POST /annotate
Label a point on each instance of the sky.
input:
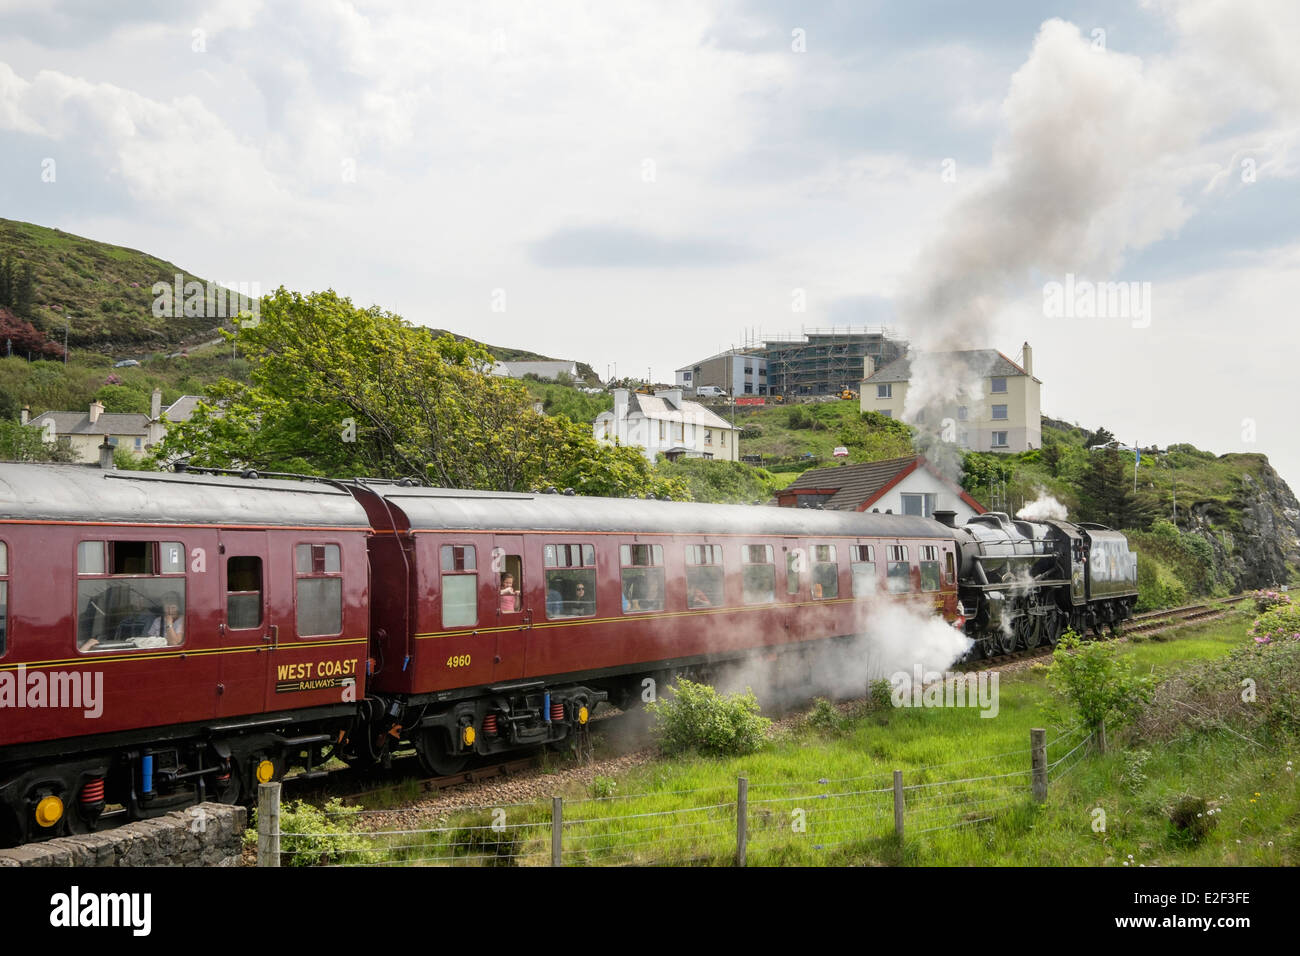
(640, 185)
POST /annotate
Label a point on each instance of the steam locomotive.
(172, 638)
(1023, 583)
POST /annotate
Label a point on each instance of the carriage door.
(796, 569)
(247, 633)
(514, 599)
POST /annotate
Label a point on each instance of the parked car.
(126, 363)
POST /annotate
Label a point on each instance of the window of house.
(686, 376)
(570, 580)
(642, 567)
(459, 585)
(930, 568)
(319, 580)
(885, 391)
(887, 412)
(704, 575)
(999, 385)
(862, 562)
(999, 439)
(961, 413)
(679, 433)
(663, 431)
(898, 571)
(708, 436)
(825, 572)
(758, 573)
(918, 504)
(130, 595)
(963, 438)
(999, 413)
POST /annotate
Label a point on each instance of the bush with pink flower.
(1266, 600)
(1281, 622)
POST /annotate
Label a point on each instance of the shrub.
(602, 788)
(826, 717)
(1098, 683)
(1134, 774)
(1192, 819)
(315, 836)
(880, 694)
(1281, 622)
(698, 718)
(1267, 600)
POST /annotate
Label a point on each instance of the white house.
(665, 423)
(136, 433)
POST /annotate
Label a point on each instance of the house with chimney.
(137, 434)
(903, 486)
(666, 423)
(998, 407)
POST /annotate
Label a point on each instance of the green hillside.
(101, 291)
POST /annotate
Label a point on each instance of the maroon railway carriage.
(500, 620)
(169, 638)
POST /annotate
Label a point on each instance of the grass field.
(820, 793)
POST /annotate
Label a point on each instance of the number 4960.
(458, 660)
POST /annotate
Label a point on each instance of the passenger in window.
(509, 596)
(581, 603)
(700, 599)
(651, 598)
(138, 622)
(170, 625)
(554, 603)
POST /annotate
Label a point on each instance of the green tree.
(1106, 493)
(25, 443)
(1099, 685)
(339, 390)
(874, 437)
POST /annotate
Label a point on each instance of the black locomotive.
(1023, 583)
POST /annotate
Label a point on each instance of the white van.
(710, 391)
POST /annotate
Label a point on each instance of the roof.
(181, 409)
(109, 423)
(729, 353)
(86, 493)
(540, 369)
(444, 508)
(861, 485)
(657, 408)
(983, 362)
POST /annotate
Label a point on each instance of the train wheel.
(1002, 640)
(435, 758)
(1052, 627)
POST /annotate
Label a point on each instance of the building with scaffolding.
(824, 361)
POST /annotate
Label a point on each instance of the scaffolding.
(823, 361)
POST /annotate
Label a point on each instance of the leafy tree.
(1051, 457)
(339, 390)
(981, 471)
(731, 482)
(1106, 493)
(25, 443)
(1101, 436)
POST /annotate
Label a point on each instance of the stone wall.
(211, 834)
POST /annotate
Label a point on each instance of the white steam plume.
(1044, 506)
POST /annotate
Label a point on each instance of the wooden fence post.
(557, 831)
(268, 824)
(898, 803)
(1038, 762)
(742, 819)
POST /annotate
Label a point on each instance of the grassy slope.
(105, 289)
(1258, 796)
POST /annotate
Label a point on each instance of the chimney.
(946, 517)
(673, 396)
(1029, 359)
(620, 414)
(106, 455)
(25, 415)
(155, 404)
(96, 409)
(868, 367)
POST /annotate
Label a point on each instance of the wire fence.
(750, 822)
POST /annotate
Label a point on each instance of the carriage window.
(952, 570)
(243, 593)
(459, 586)
(319, 589)
(795, 561)
(898, 571)
(570, 580)
(510, 581)
(4, 597)
(704, 575)
(825, 572)
(930, 580)
(862, 562)
(758, 573)
(124, 601)
(643, 576)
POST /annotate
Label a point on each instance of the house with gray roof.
(665, 422)
(976, 398)
(136, 433)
